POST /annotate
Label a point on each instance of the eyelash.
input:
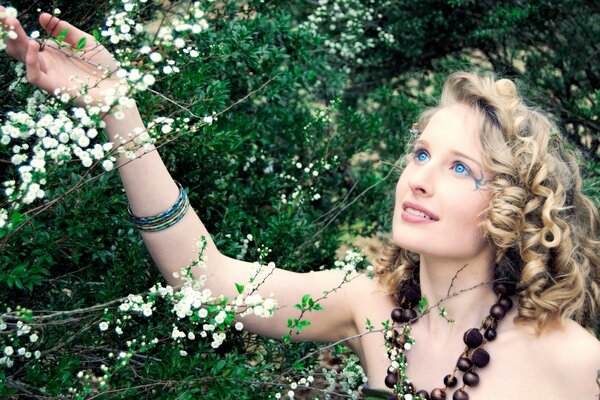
(418, 151)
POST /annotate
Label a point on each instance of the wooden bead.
(489, 322)
(497, 311)
(506, 302)
(464, 364)
(424, 394)
(500, 288)
(408, 314)
(450, 380)
(480, 358)
(408, 388)
(470, 378)
(396, 315)
(460, 395)
(391, 379)
(490, 334)
(473, 338)
(438, 394)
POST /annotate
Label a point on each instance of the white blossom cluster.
(43, 133)
(350, 261)
(192, 303)
(344, 23)
(12, 344)
(349, 377)
(304, 188)
(302, 382)
(58, 138)
(120, 25)
(251, 301)
(10, 12)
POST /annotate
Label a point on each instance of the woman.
(486, 196)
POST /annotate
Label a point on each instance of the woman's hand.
(65, 70)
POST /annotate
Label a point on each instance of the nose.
(421, 179)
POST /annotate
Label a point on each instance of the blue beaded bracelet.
(165, 219)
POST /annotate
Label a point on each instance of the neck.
(462, 287)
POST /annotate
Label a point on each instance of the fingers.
(55, 26)
(16, 48)
(32, 62)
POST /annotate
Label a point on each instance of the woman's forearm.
(151, 190)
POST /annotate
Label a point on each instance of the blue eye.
(461, 169)
(421, 155)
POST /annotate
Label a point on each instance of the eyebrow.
(458, 153)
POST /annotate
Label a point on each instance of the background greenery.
(344, 110)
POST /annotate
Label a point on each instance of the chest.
(515, 371)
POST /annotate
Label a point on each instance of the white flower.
(107, 165)
(149, 79)
(11, 12)
(183, 353)
(86, 162)
(179, 43)
(83, 141)
(37, 354)
(118, 330)
(155, 57)
(9, 350)
(11, 35)
(239, 326)
(103, 326)
(167, 69)
(33, 338)
(291, 394)
(208, 120)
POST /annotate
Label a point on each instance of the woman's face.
(446, 180)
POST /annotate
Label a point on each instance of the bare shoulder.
(570, 356)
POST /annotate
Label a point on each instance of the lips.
(419, 211)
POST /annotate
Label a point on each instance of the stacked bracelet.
(164, 219)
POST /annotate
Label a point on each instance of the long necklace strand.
(474, 356)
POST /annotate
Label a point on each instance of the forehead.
(454, 127)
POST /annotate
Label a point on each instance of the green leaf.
(62, 35)
(318, 307)
(240, 288)
(305, 299)
(302, 325)
(81, 43)
(96, 35)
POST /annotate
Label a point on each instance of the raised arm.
(151, 190)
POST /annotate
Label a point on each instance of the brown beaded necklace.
(474, 356)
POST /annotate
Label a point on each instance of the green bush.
(288, 146)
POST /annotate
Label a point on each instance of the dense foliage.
(286, 122)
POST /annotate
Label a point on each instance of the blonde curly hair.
(544, 228)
